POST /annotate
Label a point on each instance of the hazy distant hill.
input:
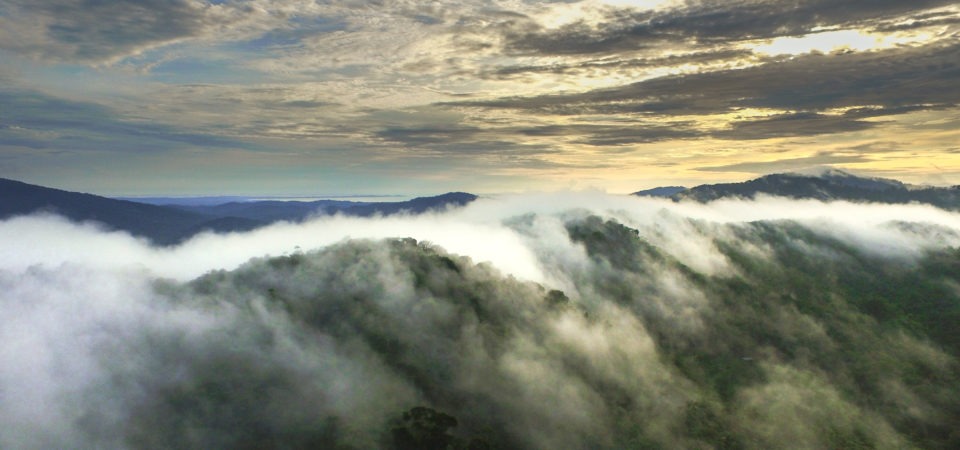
(170, 224)
(270, 210)
(162, 225)
(273, 210)
(415, 206)
(829, 185)
(663, 191)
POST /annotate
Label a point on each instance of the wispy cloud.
(38, 120)
(516, 82)
(788, 164)
(91, 31)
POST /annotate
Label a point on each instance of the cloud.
(498, 141)
(39, 120)
(626, 29)
(893, 81)
(429, 135)
(91, 31)
(795, 124)
(516, 87)
(621, 134)
(788, 164)
(75, 245)
(702, 57)
(609, 321)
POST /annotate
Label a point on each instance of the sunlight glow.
(840, 40)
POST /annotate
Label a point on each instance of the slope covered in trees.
(779, 336)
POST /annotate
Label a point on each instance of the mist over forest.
(572, 320)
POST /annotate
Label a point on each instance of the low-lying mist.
(575, 320)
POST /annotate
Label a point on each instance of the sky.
(298, 97)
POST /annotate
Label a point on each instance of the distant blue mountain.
(162, 225)
(417, 205)
(187, 201)
(664, 191)
(830, 184)
(270, 210)
(171, 224)
(274, 210)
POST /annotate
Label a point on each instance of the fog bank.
(573, 320)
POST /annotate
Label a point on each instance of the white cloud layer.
(483, 232)
(86, 321)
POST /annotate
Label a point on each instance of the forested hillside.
(801, 341)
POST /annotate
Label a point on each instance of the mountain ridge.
(162, 225)
(830, 185)
(172, 224)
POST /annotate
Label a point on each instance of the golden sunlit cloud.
(839, 40)
(473, 95)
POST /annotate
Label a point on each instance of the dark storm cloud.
(617, 35)
(613, 135)
(706, 21)
(936, 18)
(703, 57)
(890, 78)
(37, 120)
(456, 140)
(783, 125)
(429, 134)
(873, 111)
(787, 125)
(306, 104)
(500, 140)
(95, 30)
(878, 83)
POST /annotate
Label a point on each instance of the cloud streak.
(707, 21)
(90, 31)
(501, 245)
